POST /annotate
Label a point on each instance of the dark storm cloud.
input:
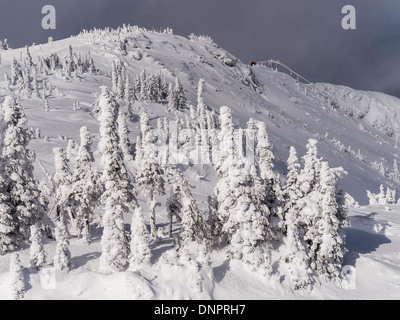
(305, 34)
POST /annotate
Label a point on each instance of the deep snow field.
(373, 242)
(354, 128)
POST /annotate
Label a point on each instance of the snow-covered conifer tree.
(180, 95)
(138, 150)
(150, 173)
(295, 248)
(129, 95)
(71, 151)
(9, 226)
(36, 88)
(247, 221)
(62, 184)
(309, 175)
(123, 133)
(24, 196)
(29, 57)
(296, 251)
(119, 195)
(194, 227)
(200, 91)
(84, 193)
(140, 241)
(172, 99)
(226, 162)
(37, 254)
(395, 174)
(242, 218)
(390, 196)
(326, 235)
(114, 77)
(62, 255)
(291, 192)
(201, 107)
(137, 87)
(174, 206)
(5, 45)
(15, 72)
(163, 86)
(143, 86)
(153, 92)
(382, 195)
(121, 85)
(273, 193)
(17, 282)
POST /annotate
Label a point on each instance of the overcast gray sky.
(305, 34)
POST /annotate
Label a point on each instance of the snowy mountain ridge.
(344, 120)
(356, 130)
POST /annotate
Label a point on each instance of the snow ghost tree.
(84, 192)
(223, 168)
(194, 228)
(150, 173)
(25, 202)
(295, 255)
(180, 95)
(62, 185)
(37, 254)
(119, 194)
(123, 133)
(17, 282)
(309, 175)
(290, 191)
(325, 236)
(140, 241)
(62, 255)
(172, 99)
(174, 204)
(9, 231)
(273, 193)
(242, 218)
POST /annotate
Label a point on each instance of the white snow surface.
(373, 242)
(343, 121)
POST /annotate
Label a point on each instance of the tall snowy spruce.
(291, 191)
(270, 182)
(326, 235)
(140, 254)
(194, 227)
(241, 216)
(150, 174)
(62, 255)
(17, 282)
(37, 255)
(85, 191)
(119, 192)
(22, 199)
(172, 99)
(123, 133)
(62, 185)
(174, 203)
(180, 95)
(223, 169)
(310, 174)
(295, 255)
(9, 230)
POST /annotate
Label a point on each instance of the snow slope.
(354, 129)
(373, 258)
